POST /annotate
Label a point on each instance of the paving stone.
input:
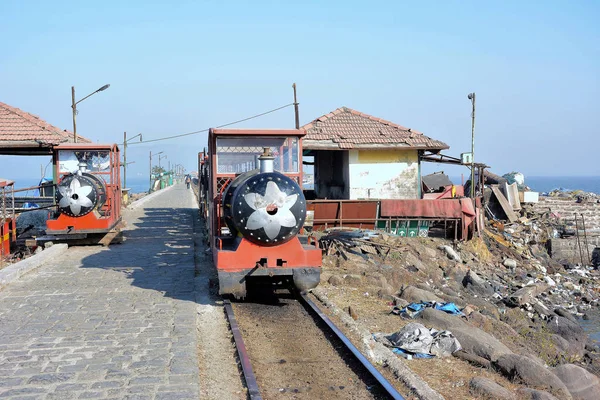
(91, 395)
(107, 385)
(71, 387)
(186, 395)
(47, 379)
(21, 391)
(10, 382)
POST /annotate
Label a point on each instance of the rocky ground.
(520, 331)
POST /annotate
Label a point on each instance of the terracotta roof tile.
(19, 126)
(348, 127)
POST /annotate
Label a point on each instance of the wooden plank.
(506, 207)
(112, 234)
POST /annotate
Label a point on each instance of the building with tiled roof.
(359, 156)
(25, 133)
(346, 128)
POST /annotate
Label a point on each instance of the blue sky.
(181, 67)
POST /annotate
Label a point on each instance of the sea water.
(136, 185)
(546, 184)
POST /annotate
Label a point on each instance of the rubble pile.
(515, 300)
(578, 195)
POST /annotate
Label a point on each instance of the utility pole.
(296, 112)
(74, 105)
(471, 97)
(124, 160)
(125, 156)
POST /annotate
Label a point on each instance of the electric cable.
(219, 126)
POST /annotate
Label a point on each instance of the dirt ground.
(367, 288)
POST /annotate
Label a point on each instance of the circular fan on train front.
(76, 196)
(269, 209)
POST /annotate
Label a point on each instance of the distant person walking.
(188, 180)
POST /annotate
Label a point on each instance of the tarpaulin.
(420, 342)
(413, 310)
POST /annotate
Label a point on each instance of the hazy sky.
(180, 66)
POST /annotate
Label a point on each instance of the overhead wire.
(219, 126)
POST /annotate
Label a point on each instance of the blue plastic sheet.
(413, 310)
(406, 354)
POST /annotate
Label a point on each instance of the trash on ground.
(413, 310)
(416, 341)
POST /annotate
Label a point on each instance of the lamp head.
(104, 87)
(471, 96)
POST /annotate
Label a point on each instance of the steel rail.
(359, 356)
(249, 376)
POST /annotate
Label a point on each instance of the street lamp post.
(160, 158)
(125, 140)
(471, 97)
(151, 168)
(74, 106)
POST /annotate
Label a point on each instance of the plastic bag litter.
(418, 341)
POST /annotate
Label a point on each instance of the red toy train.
(252, 200)
(88, 193)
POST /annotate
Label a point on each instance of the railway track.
(288, 348)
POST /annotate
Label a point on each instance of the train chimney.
(266, 161)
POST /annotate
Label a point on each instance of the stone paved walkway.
(108, 323)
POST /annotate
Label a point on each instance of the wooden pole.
(124, 160)
(296, 112)
(74, 106)
(150, 173)
(472, 97)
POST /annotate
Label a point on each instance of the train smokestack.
(266, 161)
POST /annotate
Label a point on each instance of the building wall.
(384, 174)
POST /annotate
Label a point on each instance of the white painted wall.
(384, 174)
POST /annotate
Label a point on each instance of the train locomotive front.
(88, 193)
(256, 209)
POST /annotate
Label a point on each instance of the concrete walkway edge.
(17, 270)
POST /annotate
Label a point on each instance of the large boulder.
(531, 373)
(565, 314)
(569, 330)
(451, 253)
(526, 294)
(477, 285)
(582, 384)
(415, 295)
(473, 340)
(488, 389)
(534, 394)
